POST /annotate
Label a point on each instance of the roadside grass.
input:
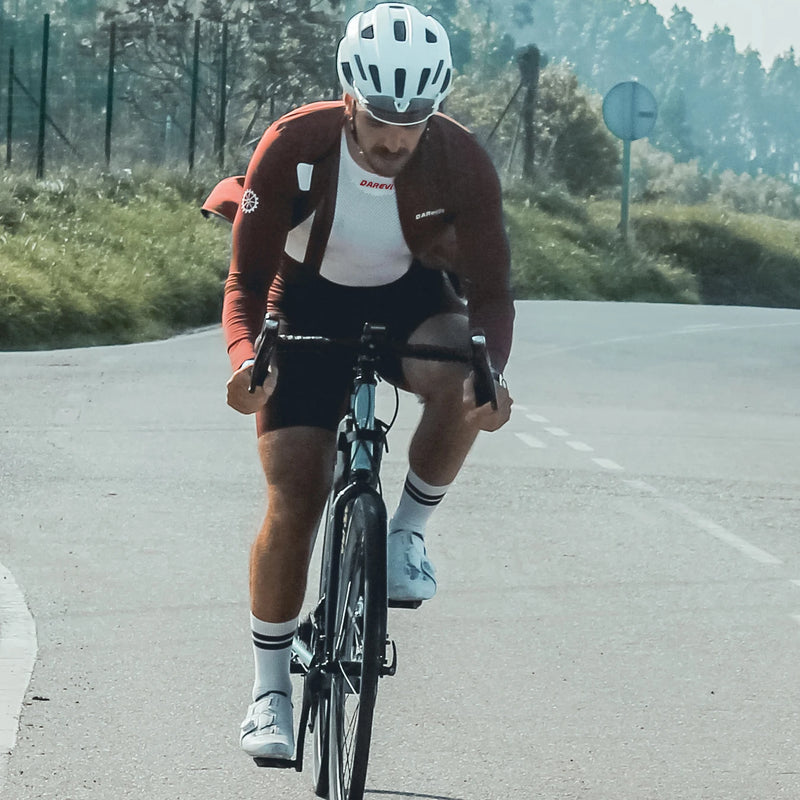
(571, 249)
(106, 259)
(737, 259)
(561, 250)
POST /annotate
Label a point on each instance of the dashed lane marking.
(560, 432)
(607, 463)
(696, 519)
(531, 441)
(581, 447)
(537, 418)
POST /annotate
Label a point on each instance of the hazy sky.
(769, 26)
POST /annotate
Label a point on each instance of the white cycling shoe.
(410, 575)
(268, 728)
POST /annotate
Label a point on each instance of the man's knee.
(439, 380)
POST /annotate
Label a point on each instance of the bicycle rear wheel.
(359, 646)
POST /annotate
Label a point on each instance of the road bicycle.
(342, 647)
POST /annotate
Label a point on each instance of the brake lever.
(265, 346)
(483, 379)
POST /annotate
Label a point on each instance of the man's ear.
(349, 104)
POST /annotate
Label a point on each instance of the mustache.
(385, 152)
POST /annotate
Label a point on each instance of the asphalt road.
(619, 606)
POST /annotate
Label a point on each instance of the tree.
(573, 145)
(272, 54)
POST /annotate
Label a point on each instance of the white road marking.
(723, 534)
(581, 447)
(537, 418)
(531, 441)
(557, 431)
(796, 583)
(607, 463)
(17, 657)
(693, 517)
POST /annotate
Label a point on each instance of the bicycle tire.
(359, 646)
(320, 710)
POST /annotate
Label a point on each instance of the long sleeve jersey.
(448, 192)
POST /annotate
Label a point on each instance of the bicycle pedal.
(390, 668)
(405, 603)
(276, 763)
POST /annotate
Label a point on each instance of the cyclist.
(367, 209)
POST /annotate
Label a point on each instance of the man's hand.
(239, 396)
(485, 417)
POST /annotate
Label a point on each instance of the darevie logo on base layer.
(388, 187)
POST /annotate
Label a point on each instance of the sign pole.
(626, 188)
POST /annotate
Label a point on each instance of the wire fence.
(115, 99)
(180, 94)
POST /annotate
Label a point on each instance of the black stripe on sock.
(272, 642)
(422, 498)
(283, 645)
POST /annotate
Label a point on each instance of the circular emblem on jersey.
(249, 201)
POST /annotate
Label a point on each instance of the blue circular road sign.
(630, 111)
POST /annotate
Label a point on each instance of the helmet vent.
(347, 72)
(376, 77)
(423, 80)
(400, 34)
(438, 72)
(399, 82)
(446, 81)
(430, 36)
(357, 59)
(368, 32)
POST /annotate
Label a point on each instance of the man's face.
(386, 148)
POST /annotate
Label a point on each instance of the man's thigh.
(298, 464)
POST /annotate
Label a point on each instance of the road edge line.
(18, 649)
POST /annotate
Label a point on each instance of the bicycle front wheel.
(359, 646)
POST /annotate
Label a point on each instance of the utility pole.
(529, 62)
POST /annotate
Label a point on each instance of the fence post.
(112, 56)
(43, 98)
(10, 109)
(195, 86)
(223, 97)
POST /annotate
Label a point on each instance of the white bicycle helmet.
(396, 62)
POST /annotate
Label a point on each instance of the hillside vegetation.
(113, 259)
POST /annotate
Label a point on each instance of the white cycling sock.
(418, 502)
(272, 647)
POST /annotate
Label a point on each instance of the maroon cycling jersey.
(449, 204)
